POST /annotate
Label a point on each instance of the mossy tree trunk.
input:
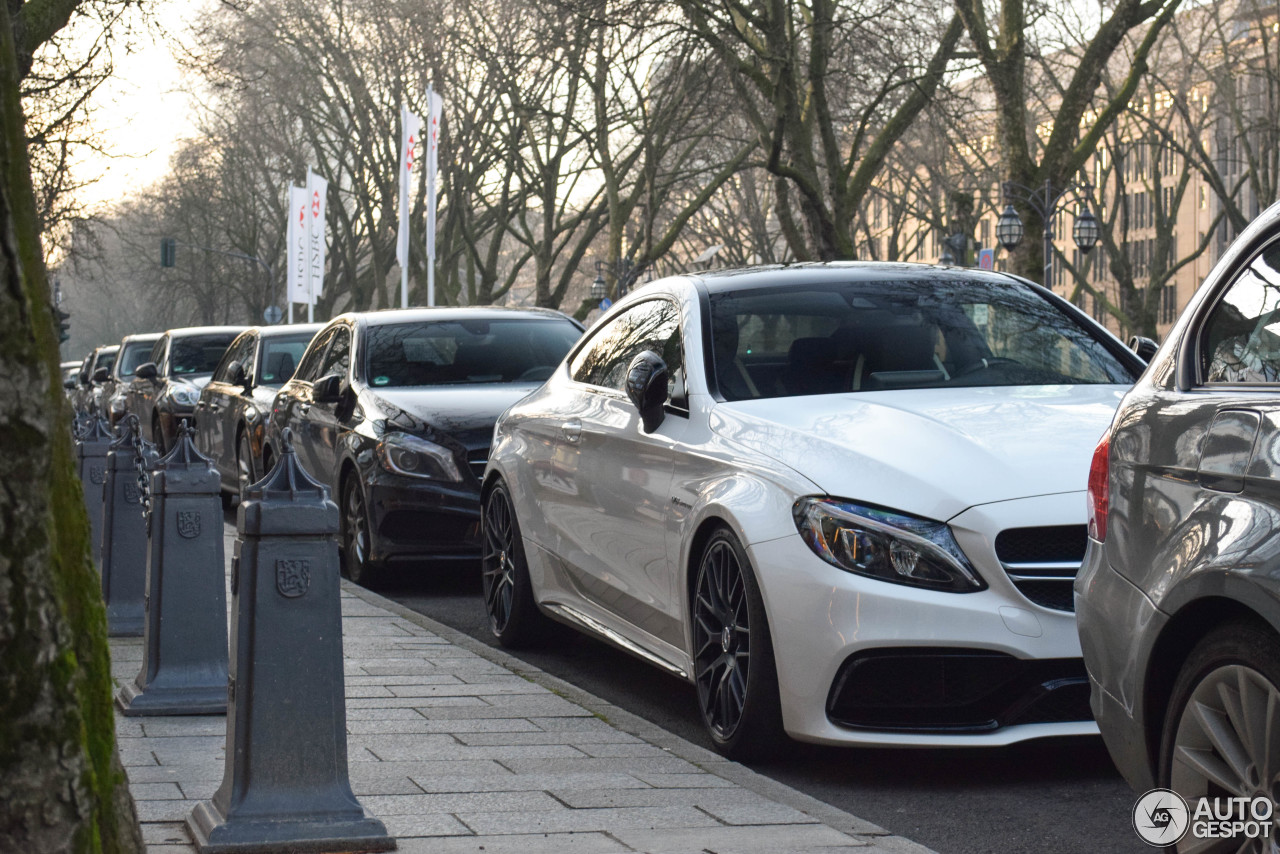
(62, 787)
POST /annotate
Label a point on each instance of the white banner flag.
(410, 132)
(297, 249)
(435, 111)
(317, 187)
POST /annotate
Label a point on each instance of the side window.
(159, 353)
(1240, 341)
(651, 325)
(338, 359)
(239, 351)
(309, 367)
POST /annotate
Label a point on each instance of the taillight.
(1099, 489)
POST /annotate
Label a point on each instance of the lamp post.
(621, 269)
(1044, 201)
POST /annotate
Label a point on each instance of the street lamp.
(1044, 201)
(621, 270)
(599, 290)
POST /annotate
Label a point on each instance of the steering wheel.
(986, 364)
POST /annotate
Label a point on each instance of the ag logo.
(293, 577)
(1161, 817)
(189, 523)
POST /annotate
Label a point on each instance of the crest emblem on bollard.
(132, 494)
(293, 577)
(189, 523)
(97, 474)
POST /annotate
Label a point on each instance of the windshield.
(871, 336)
(279, 358)
(448, 352)
(198, 354)
(134, 354)
(105, 360)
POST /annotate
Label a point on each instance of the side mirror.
(101, 375)
(327, 389)
(83, 377)
(1144, 347)
(147, 371)
(71, 383)
(647, 388)
(237, 376)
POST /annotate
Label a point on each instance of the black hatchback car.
(1178, 600)
(394, 412)
(231, 415)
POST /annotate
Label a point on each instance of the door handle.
(572, 430)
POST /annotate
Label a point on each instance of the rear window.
(874, 336)
(198, 354)
(453, 352)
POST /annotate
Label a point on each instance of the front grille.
(959, 691)
(1042, 562)
(1050, 544)
(477, 459)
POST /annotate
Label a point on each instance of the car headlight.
(885, 545)
(117, 404)
(184, 395)
(402, 453)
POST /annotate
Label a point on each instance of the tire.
(741, 713)
(1224, 710)
(245, 473)
(514, 617)
(357, 536)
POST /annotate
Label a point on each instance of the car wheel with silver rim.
(1222, 734)
(356, 564)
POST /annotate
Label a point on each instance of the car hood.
(466, 413)
(932, 452)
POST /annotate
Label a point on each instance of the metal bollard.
(184, 659)
(285, 785)
(124, 531)
(91, 460)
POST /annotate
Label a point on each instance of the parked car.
(87, 395)
(394, 412)
(231, 415)
(165, 389)
(845, 501)
(70, 374)
(1179, 595)
(134, 350)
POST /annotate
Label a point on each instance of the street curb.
(632, 724)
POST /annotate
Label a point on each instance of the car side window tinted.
(309, 367)
(338, 359)
(651, 325)
(1240, 341)
(241, 350)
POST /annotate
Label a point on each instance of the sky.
(140, 111)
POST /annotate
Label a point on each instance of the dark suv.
(1178, 601)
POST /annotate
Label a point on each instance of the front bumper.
(868, 662)
(422, 520)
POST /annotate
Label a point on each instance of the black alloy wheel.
(734, 668)
(244, 463)
(514, 617)
(357, 536)
(1222, 732)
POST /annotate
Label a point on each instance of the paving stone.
(172, 727)
(611, 820)
(403, 750)
(404, 679)
(538, 843)
(425, 825)
(207, 769)
(678, 780)
(627, 750)
(156, 791)
(161, 833)
(664, 765)
(171, 810)
(806, 839)
(503, 728)
(441, 768)
(590, 737)
(705, 799)
(486, 689)
(380, 714)
(509, 782)
(422, 804)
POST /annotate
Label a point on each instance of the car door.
(325, 417)
(611, 510)
(144, 392)
(292, 408)
(1200, 469)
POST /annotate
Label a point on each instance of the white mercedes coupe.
(846, 501)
